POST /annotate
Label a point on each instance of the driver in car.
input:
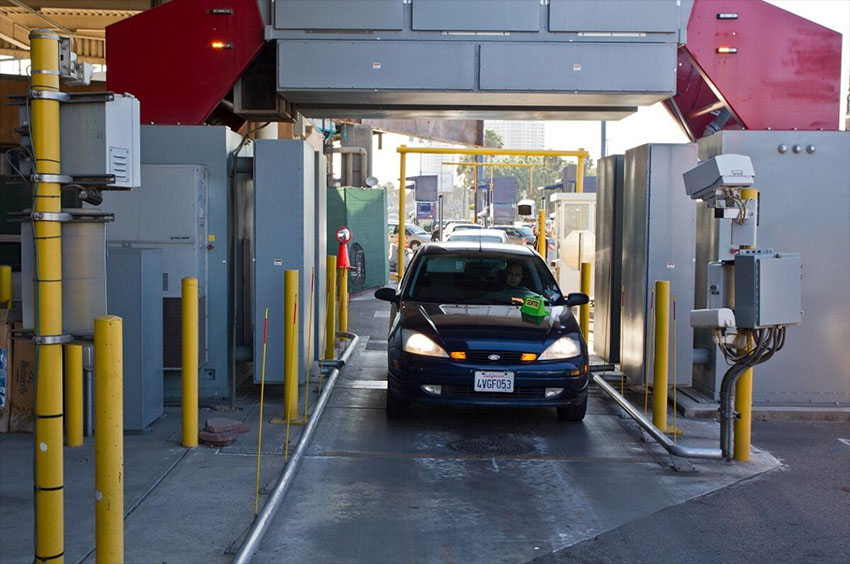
(513, 275)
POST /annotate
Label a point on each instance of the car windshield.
(466, 226)
(415, 229)
(480, 277)
(525, 231)
(476, 237)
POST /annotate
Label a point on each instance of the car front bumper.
(456, 379)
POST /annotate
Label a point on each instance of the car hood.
(487, 327)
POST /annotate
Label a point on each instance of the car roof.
(480, 233)
(502, 248)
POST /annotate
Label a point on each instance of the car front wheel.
(396, 408)
(573, 412)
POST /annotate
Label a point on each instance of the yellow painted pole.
(290, 351)
(330, 309)
(474, 193)
(584, 310)
(742, 426)
(190, 362)
(343, 299)
(401, 214)
(5, 286)
(662, 350)
(74, 395)
(580, 175)
(109, 440)
(49, 419)
(541, 233)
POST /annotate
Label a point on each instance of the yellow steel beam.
(189, 361)
(403, 149)
(401, 215)
(496, 163)
(662, 349)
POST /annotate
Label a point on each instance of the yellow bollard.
(744, 387)
(343, 299)
(584, 310)
(662, 350)
(330, 309)
(190, 362)
(401, 215)
(5, 286)
(49, 420)
(74, 395)
(290, 344)
(541, 234)
(109, 440)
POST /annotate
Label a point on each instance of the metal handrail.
(654, 432)
(263, 521)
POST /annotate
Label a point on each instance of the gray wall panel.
(339, 14)
(283, 219)
(614, 15)
(476, 15)
(598, 67)
(658, 244)
(804, 207)
(209, 147)
(392, 65)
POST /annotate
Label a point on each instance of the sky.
(651, 124)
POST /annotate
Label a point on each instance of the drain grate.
(376, 345)
(491, 447)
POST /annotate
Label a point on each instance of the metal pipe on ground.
(662, 439)
(261, 523)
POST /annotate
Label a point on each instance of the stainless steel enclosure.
(658, 244)
(608, 282)
(803, 179)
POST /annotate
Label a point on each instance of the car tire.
(573, 412)
(396, 408)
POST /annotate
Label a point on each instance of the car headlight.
(417, 343)
(565, 347)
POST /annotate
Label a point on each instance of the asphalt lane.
(797, 513)
(374, 490)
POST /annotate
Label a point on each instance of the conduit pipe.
(264, 519)
(654, 432)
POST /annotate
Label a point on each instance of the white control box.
(100, 138)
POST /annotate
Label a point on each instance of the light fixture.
(433, 389)
(553, 392)
(726, 50)
(528, 357)
(221, 45)
(458, 355)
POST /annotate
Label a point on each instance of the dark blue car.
(486, 325)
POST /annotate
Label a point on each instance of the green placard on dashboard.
(534, 306)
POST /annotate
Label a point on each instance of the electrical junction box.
(768, 288)
(100, 138)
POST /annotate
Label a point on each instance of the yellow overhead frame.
(404, 150)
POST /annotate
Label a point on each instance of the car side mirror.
(575, 299)
(386, 294)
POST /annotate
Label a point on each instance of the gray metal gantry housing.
(524, 59)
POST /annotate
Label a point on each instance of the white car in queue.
(479, 236)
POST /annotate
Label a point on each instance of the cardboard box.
(23, 387)
(5, 370)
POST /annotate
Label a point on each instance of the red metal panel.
(165, 56)
(785, 74)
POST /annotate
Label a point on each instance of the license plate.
(486, 381)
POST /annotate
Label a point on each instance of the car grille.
(468, 391)
(482, 357)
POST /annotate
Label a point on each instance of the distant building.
(519, 134)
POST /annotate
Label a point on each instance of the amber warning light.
(221, 45)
